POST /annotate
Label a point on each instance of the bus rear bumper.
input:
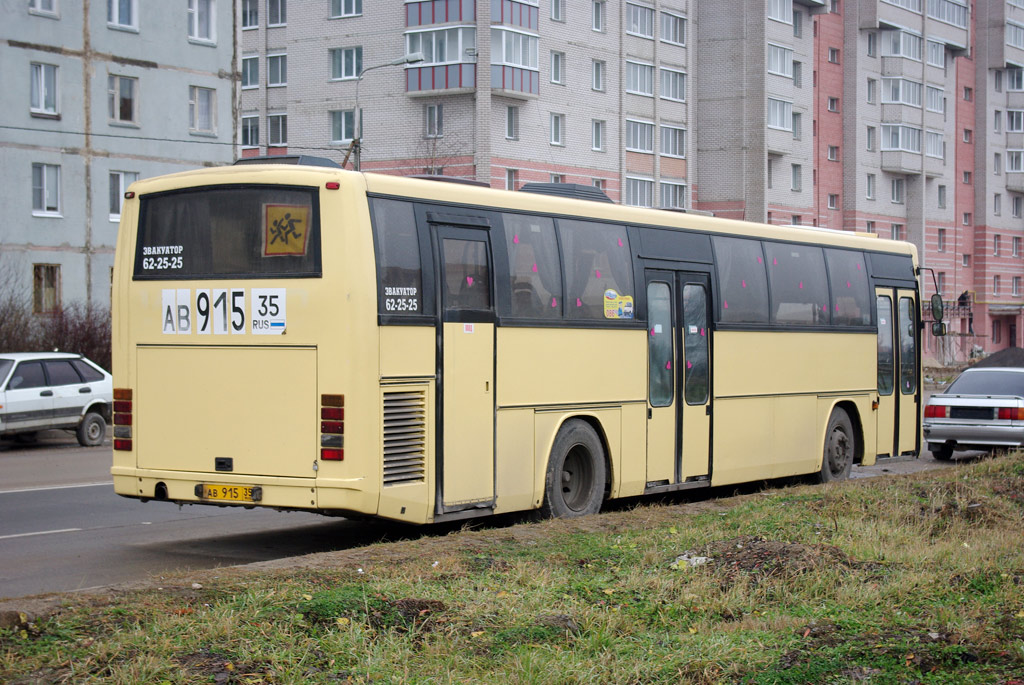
(220, 489)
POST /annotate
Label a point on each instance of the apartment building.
(96, 95)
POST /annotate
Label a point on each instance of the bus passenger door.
(885, 414)
(909, 402)
(695, 368)
(662, 372)
(465, 463)
(898, 401)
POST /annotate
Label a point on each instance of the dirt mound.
(1010, 357)
(756, 555)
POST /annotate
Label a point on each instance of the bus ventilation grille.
(405, 437)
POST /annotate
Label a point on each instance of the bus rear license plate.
(231, 493)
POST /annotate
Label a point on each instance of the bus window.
(239, 231)
(695, 341)
(908, 348)
(659, 344)
(851, 296)
(535, 276)
(466, 275)
(799, 289)
(399, 276)
(598, 270)
(741, 277)
(886, 353)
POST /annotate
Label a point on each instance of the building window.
(599, 183)
(512, 122)
(277, 70)
(43, 89)
(781, 10)
(1015, 160)
(673, 29)
(934, 144)
(46, 189)
(770, 173)
(833, 153)
(871, 187)
(558, 67)
(935, 99)
(833, 104)
(965, 260)
(967, 220)
(967, 178)
(968, 135)
(898, 189)
(796, 177)
(48, 7)
(557, 129)
(343, 125)
(833, 55)
(896, 232)
(901, 91)
(45, 288)
(511, 179)
(673, 195)
(597, 15)
(673, 85)
(250, 131)
(872, 44)
(639, 20)
(833, 201)
(797, 75)
(780, 114)
(937, 54)
(597, 135)
(1016, 246)
(673, 141)
(639, 136)
(798, 24)
(898, 137)
(942, 240)
(872, 91)
(795, 219)
(1015, 121)
(1015, 80)
(250, 14)
(250, 72)
(797, 126)
(997, 164)
(968, 93)
(639, 78)
(639, 192)
(346, 63)
(597, 80)
(556, 178)
(871, 138)
(902, 44)
(277, 12)
(346, 8)
(780, 60)
(942, 196)
(119, 182)
(122, 105)
(444, 46)
(997, 209)
(433, 116)
(995, 287)
(940, 282)
(557, 10)
(123, 14)
(278, 125)
(202, 109)
(201, 20)
(869, 226)
(1016, 286)
(1017, 206)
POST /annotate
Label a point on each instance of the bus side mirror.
(938, 328)
(937, 307)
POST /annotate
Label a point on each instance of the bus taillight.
(332, 427)
(123, 419)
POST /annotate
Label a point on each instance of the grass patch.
(907, 579)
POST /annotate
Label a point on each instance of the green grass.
(909, 579)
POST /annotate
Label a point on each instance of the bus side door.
(465, 464)
(898, 402)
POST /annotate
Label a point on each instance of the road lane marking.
(42, 532)
(57, 487)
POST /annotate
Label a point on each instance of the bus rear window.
(229, 231)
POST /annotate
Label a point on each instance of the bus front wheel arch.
(840, 448)
(574, 483)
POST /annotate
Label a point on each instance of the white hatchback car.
(44, 390)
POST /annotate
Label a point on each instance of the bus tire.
(92, 430)
(574, 484)
(840, 448)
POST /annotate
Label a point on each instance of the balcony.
(1015, 181)
(901, 162)
(449, 78)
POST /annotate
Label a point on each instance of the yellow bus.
(303, 337)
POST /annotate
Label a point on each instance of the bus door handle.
(650, 413)
(707, 410)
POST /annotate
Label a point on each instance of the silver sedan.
(983, 409)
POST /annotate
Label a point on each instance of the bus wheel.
(574, 485)
(840, 446)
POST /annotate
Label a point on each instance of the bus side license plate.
(232, 493)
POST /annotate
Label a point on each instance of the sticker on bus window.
(617, 306)
(285, 230)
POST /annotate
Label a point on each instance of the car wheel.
(840, 448)
(574, 485)
(944, 452)
(92, 430)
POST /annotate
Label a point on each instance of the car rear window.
(988, 383)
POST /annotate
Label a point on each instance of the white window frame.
(940, 199)
(122, 179)
(833, 104)
(796, 177)
(339, 58)
(935, 99)
(433, 116)
(511, 177)
(40, 93)
(779, 60)
(780, 10)
(639, 192)
(246, 127)
(46, 8)
(598, 133)
(898, 191)
(779, 108)
(114, 98)
(281, 59)
(558, 10)
(833, 201)
(557, 123)
(1015, 121)
(870, 190)
(935, 53)
(948, 12)
(343, 120)
(941, 239)
(935, 144)
(672, 195)
(558, 67)
(1017, 206)
(672, 81)
(512, 122)
(902, 91)
(250, 14)
(1015, 80)
(196, 95)
(281, 18)
(912, 5)
(250, 64)
(673, 142)
(902, 43)
(1014, 161)
(49, 177)
(346, 8)
(635, 77)
(116, 21)
(640, 20)
(508, 46)
(833, 153)
(673, 28)
(904, 135)
(598, 16)
(196, 9)
(598, 72)
(997, 210)
(278, 138)
(640, 136)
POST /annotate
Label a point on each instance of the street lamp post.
(357, 123)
